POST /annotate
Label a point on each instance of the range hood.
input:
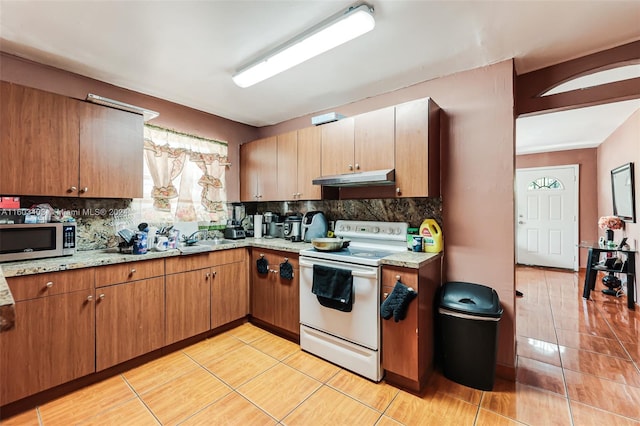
(370, 178)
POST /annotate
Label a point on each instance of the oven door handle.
(372, 274)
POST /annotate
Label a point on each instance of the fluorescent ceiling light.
(330, 33)
(146, 113)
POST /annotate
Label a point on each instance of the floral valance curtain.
(187, 174)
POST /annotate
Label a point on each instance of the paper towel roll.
(257, 226)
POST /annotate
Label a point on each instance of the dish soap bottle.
(431, 236)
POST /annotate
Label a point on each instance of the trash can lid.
(469, 298)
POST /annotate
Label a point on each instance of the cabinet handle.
(101, 296)
(215, 273)
(84, 190)
(350, 167)
(397, 277)
(385, 295)
(207, 275)
(133, 271)
(398, 190)
(261, 255)
(49, 284)
(89, 298)
(72, 189)
(357, 166)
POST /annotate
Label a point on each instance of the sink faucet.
(191, 239)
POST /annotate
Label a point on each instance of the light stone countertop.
(87, 259)
(7, 313)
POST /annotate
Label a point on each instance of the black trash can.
(469, 315)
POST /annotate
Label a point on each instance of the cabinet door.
(400, 339)
(249, 171)
(258, 170)
(375, 140)
(262, 292)
(268, 169)
(287, 302)
(417, 149)
(337, 147)
(39, 142)
(287, 166)
(229, 293)
(262, 297)
(52, 343)
(188, 306)
(129, 321)
(111, 158)
(309, 166)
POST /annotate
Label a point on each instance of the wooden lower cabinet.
(53, 341)
(129, 320)
(229, 293)
(275, 300)
(408, 345)
(188, 304)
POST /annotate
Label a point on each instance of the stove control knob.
(375, 230)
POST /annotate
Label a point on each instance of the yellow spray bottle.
(431, 236)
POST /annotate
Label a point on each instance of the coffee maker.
(234, 229)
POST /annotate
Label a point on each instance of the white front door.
(547, 216)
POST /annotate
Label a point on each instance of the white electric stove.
(350, 339)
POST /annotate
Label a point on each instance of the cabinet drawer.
(274, 257)
(51, 283)
(192, 262)
(131, 271)
(222, 257)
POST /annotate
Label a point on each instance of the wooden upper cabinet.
(287, 171)
(39, 142)
(337, 147)
(417, 149)
(309, 166)
(298, 164)
(54, 145)
(258, 174)
(111, 152)
(374, 140)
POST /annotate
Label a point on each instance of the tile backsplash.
(97, 219)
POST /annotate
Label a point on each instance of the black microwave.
(26, 241)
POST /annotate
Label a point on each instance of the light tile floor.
(578, 364)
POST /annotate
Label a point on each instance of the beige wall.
(477, 178)
(588, 197)
(172, 115)
(623, 146)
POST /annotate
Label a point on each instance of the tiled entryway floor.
(577, 365)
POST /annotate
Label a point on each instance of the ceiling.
(186, 51)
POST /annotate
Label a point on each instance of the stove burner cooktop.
(370, 242)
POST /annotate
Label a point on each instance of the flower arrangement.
(610, 222)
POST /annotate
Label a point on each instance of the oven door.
(362, 324)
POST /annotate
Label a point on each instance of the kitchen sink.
(215, 242)
(203, 245)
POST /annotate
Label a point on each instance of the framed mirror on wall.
(623, 192)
